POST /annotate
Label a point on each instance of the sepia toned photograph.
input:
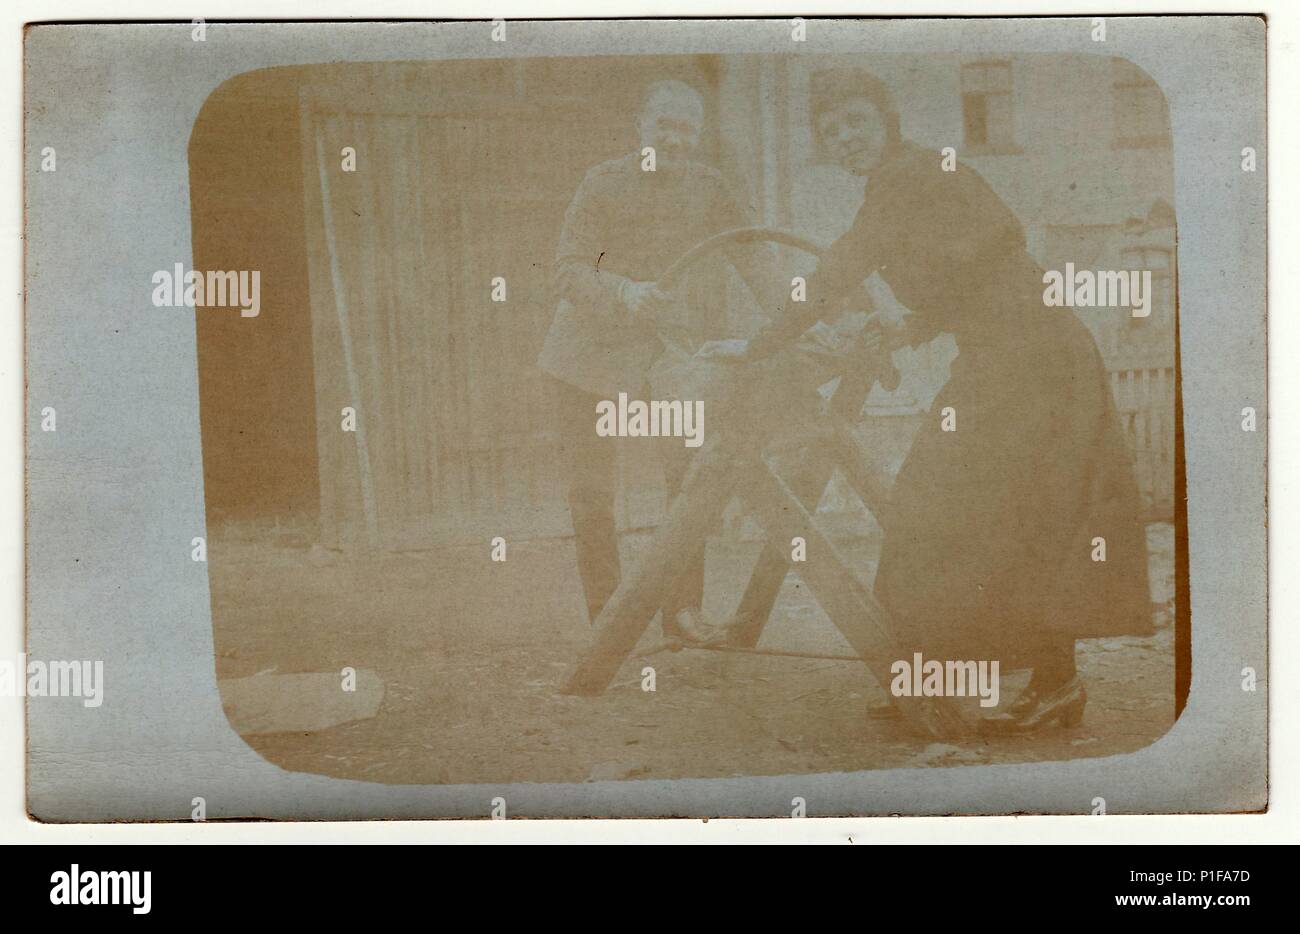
(661, 416)
(608, 418)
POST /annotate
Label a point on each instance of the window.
(1158, 260)
(986, 106)
(1140, 113)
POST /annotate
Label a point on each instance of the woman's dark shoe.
(1033, 710)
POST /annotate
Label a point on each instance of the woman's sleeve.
(848, 261)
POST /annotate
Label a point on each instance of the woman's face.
(854, 135)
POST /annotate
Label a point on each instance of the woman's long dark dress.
(989, 533)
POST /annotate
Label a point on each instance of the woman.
(990, 549)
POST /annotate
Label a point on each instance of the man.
(629, 220)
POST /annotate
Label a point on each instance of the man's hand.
(728, 351)
(644, 299)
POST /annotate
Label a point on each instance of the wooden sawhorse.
(732, 462)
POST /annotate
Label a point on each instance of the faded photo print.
(691, 416)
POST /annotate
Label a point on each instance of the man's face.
(671, 123)
(854, 135)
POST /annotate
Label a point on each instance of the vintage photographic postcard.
(771, 417)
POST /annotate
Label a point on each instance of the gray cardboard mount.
(120, 484)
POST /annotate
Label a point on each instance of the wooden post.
(345, 332)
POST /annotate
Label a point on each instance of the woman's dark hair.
(834, 87)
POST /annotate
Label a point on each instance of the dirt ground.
(472, 653)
